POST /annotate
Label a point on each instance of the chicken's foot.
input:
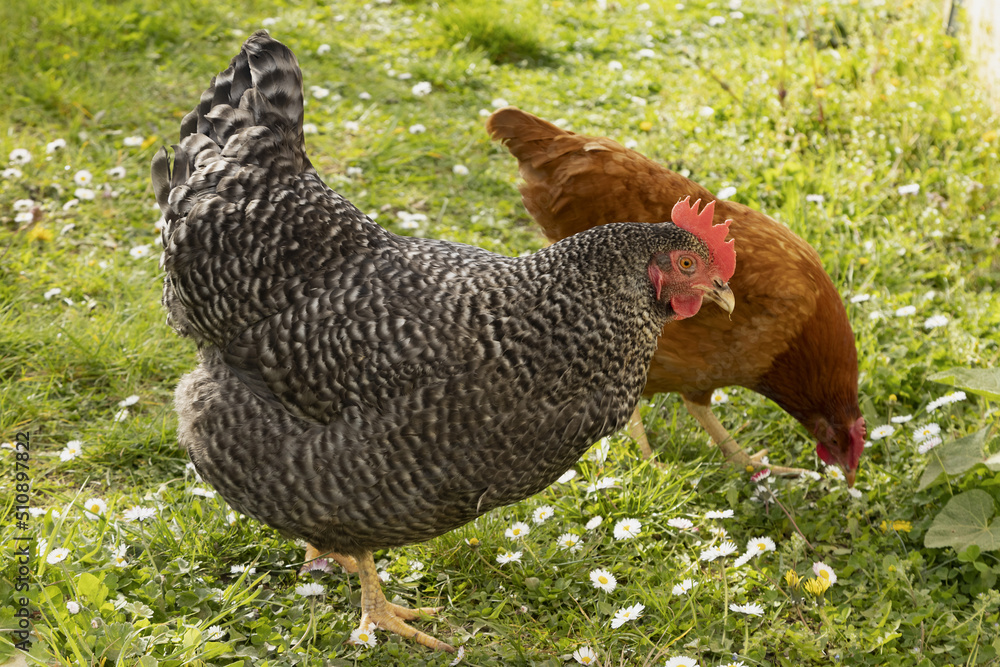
(731, 450)
(390, 617)
(347, 562)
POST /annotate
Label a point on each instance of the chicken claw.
(390, 617)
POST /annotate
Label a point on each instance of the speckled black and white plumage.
(364, 390)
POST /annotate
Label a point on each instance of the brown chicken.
(789, 339)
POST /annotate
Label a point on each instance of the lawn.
(857, 123)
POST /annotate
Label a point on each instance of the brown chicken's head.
(841, 446)
(689, 275)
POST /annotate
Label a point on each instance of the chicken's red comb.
(686, 216)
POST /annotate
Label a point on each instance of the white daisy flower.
(815, 199)
(626, 529)
(128, 400)
(603, 483)
(24, 204)
(36, 512)
(509, 557)
(719, 397)
(681, 661)
(906, 311)
(759, 545)
(95, 508)
(683, 587)
(460, 170)
(909, 189)
(363, 636)
(921, 433)
(322, 49)
(83, 177)
(760, 475)
(709, 554)
(727, 192)
(133, 141)
(955, 397)
(319, 92)
(355, 171)
(215, 633)
(118, 556)
(716, 21)
(883, 431)
(72, 450)
(421, 89)
(585, 656)
(615, 66)
(139, 513)
(594, 522)
(824, 571)
(116, 172)
(719, 532)
(751, 608)
(309, 590)
(55, 291)
(73, 607)
(352, 126)
(643, 54)
(53, 146)
(936, 322)
(231, 518)
(20, 156)
(834, 472)
(121, 415)
(499, 102)
(854, 493)
(727, 548)
(364, 96)
(717, 514)
(11, 174)
(417, 128)
(518, 530)
(743, 560)
(860, 298)
(566, 476)
(680, 523)
(929, 444)
(604, 580)
(141, 251)
(901, 419)
(72, 203)
(56, 555)
(84, 193)
(204, 493)
(626, 614)
(542, 514)
(240, 569)
(570, 542)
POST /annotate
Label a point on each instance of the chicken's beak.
(722, 295)
(849, 474)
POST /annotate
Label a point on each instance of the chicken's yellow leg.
(346, 562)
(376, 609)
(638, 433)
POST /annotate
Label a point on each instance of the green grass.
(847, 100)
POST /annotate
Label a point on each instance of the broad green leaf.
(982, 381)
(954, 458)
(91, 588)
(965, 521)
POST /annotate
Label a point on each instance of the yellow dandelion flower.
(817, 586)
(989, 136)
(792, 579)
(646, 125)
(819, 92)
(39, 234)
(822, 11)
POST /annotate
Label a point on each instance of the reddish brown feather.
(789, 337)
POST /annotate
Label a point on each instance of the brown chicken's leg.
(731, 449)
(376, 609)
(347, 562)
(638, 433)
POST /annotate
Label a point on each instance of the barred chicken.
(789, 340)
(363, 390)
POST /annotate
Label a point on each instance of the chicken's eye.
(685, 263)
